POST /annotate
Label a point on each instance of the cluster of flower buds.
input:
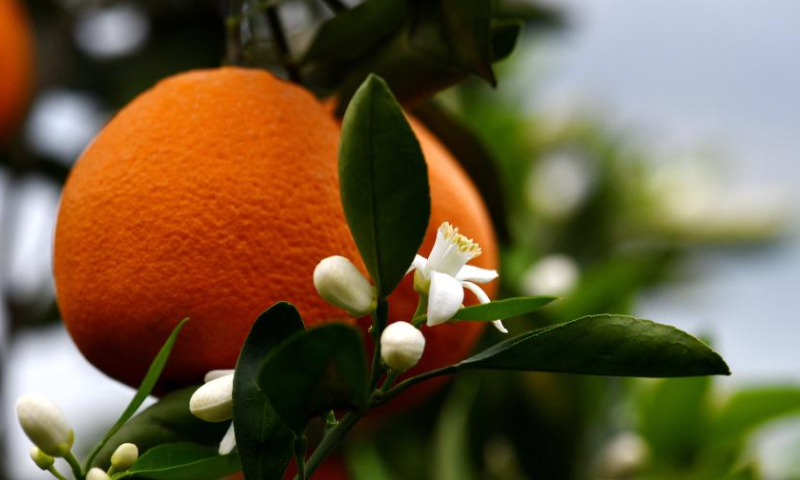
(441, 279)
(213, 402)
(45, 424)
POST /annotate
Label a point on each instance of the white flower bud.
(41, 459)
(555, 274)
(97, 474)
(340, 283)
(213, 402)
(124, 457)
(44, 423)
(402, 345)
(623, 456)
(215, 374)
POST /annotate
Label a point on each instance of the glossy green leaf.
(184, 461)
(313, 372)
(615, 345)
(748, 409)
(145, 388)
(263, 441)
(502, 309)
(384, 184)
(167, 421)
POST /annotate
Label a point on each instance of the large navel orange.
(212, 196)
(16, 64)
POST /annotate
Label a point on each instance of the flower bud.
(340, 283)
(124, 457)
(215, 374)
(402, 345)
(97, 474)
(44, 423)
(41, 459)
(213, 402)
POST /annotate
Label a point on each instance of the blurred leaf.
(451, 457)
(502, 309)
(167, 421)
(364, 462)
(748, 409)
(674, 418)
(473, 156)
(147, 385)
(313, 372)
(183, 461)
(613, 345)
(384, 184)
(415, 75)
(534, 13)
(263, 441)
(347, 37)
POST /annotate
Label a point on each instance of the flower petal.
(228, 442)
(444, 299)
(476, 274)
(418, 264)
(483, 298)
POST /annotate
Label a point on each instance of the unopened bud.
(124, 457)
(215, 374)
(213, 402)
(44, 423)
(97, 474)
(402, 345)
(41, 459)
(340, 283)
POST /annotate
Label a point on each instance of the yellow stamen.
(464, 244)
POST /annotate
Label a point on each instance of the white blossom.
(124, 457)
(213, 402)
(45, 424)
(444, 275)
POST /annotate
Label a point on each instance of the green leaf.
(384, 184)
(502, 309)
(674, 417)
(615, 345)
(167, 421)
(468, 23)
(147, 385)
(451, 438)
(184, 461)
(263, 441)
(504, 38)
(313, 372)
(346, 37)
(748, 409)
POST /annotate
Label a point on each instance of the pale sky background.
(684, 75)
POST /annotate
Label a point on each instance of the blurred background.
(647, 163)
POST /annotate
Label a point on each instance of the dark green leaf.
(452, 459)
(504, 38)
(384, 184)
(349, 36)
(184, 461)
(751, 408)
(502, 309)
(263, 440)
(147, 385)
(167, 421)
(615, 345)
(313, 372)
(468, 24)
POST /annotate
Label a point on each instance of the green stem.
(422, 309)
(74, 465)
(330, 442)
(299, 449)
(379, 317)
(390, 378)
(410, 382)
(56, 473)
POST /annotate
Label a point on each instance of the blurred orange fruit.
(16, 64)
(212, 196)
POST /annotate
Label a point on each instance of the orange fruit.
(212, 196)
(16, 64)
